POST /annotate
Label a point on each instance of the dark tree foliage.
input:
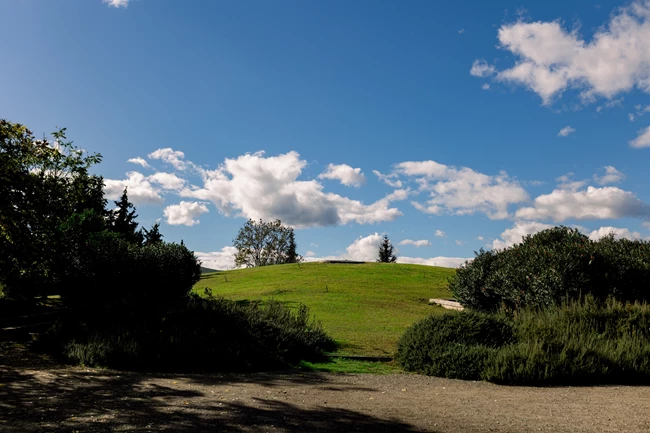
(122, 220)
(386, 254)
(153, 235)
(553, 266)
(42, 185)
(265, 243)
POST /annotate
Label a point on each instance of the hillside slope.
(365, 307)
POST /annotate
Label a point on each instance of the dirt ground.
(37, 395)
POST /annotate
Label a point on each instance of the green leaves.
(265, 243)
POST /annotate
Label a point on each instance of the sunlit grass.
(364, 307)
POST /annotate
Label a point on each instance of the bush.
(195, 335)
(105, 269)
(552, 266)
(454, 345)
(586, 342)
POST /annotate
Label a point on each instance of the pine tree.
(386, 252)
(153, 235)
(122, 220)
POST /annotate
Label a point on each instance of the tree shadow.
(41, 398)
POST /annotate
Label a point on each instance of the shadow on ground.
(39, 396)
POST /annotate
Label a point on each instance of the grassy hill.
(365, 307)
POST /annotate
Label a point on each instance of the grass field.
(364, 307)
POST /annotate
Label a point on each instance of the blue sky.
(449, 127)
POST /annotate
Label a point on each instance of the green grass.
(364, 307)
(338, 365)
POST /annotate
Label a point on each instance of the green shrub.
(195, 335)
(587, 342)
(552, 266)
(454, 345)
(105, 269)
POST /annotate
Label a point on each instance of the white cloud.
(481, 68)
(485, 86)
(347, 175)
(646, 224)
(364, 249)
(388, 179)
(460, 242)
(420, 243)
(444, 262)
(461, 31)
(566, 131)
(139, 161)
(140, 190)
(631, 117)
(168, 180)
(514, 234)
(551, 59)
(117, 3)
(462, 191)
(593, 203)
(220, 260)
(170, 156)
(643, 140)
(619, 233)
(440, 234)
(480, 238)
(310, 254)
(612, 175)
(184, 213)
(255, 186)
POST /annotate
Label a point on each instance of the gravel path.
(39, 396)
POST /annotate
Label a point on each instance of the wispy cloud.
(117, 3)
(564, 132)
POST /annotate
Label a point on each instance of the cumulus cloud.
(443, 262)
(481, 68)
(310, 254)
(117, 3)
(256, 186)
(167, 180)
(418, 244)
(619, 233)
(365, 249)
(389, 179)
(612, 175)
(564, 132)
(184, 213)
(551, 59)
(140, 190)
(462, 191)
(347, 175)
(440, 234)
(139, 161)
(170, 156)
(220, 260)
(516, 233)
(643, 140)
(485, 86)
(591, 203)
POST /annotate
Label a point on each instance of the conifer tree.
(386, 252)
(123, 220)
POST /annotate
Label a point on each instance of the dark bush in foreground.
(454, 345)
(585, 342)
(197, 335)
(552, 266)
(105, 269)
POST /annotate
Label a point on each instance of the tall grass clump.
(198, 334)
(577, 342)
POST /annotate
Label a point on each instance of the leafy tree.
(386, 252)
(265, 243)
(123, 220)
(153, 235)
(42, 184)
